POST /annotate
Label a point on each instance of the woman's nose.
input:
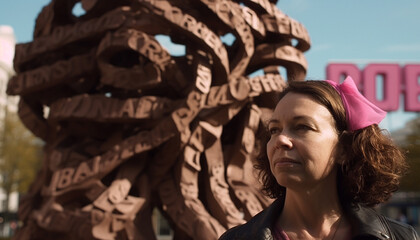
(283, 141)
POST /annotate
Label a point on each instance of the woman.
(326, 163)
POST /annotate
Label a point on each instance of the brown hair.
(372, 165)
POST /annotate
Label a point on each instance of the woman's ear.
(342, 148)
(340, 154)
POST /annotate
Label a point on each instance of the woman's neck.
(314, 212)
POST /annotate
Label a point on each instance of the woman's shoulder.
(247, 231)
(366, 221)
(401, 230)
(258, 227)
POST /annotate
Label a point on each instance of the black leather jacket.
(366, 224)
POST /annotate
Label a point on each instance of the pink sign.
(395, 80)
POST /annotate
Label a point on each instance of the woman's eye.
(273, 130)
(303, 127)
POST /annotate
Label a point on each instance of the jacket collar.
(365, 222)
(261, 224)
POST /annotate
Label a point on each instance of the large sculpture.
(129, 128)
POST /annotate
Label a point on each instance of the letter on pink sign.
(392, 80)
(339, 71)
(412, 87)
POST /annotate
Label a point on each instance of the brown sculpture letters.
(130, 128)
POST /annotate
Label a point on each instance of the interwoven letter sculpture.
(129, 127)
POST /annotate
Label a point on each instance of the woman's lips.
(286, 162)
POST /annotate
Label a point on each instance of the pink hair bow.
(360, 111)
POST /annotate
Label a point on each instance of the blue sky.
(360, 32)
(357, 31)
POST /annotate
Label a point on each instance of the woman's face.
(303, 140)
